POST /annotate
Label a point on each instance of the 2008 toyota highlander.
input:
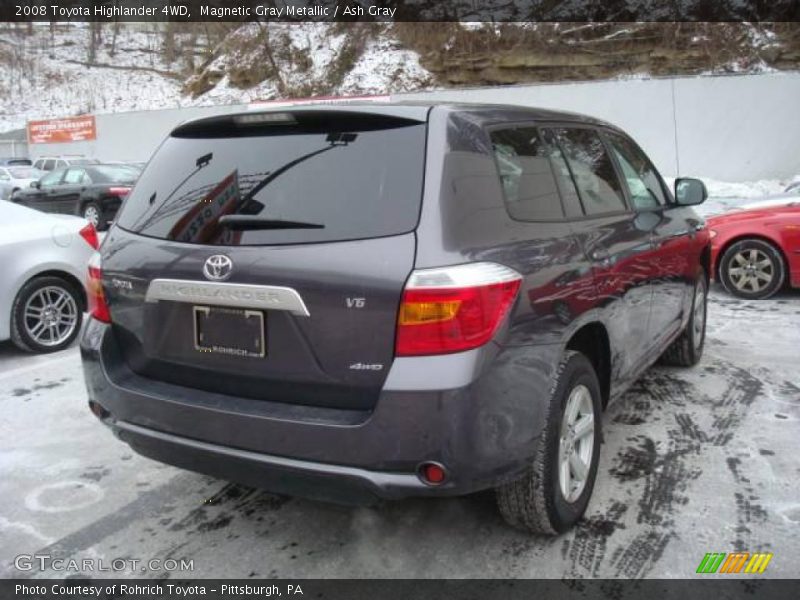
(346, 302)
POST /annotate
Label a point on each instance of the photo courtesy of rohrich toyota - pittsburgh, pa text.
(399, 299)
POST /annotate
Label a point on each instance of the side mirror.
(690, 192)
(36, 184)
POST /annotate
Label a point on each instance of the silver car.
(43, 260)
(13, 178)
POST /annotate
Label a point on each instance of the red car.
(756, 250)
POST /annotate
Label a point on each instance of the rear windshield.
(286, 184)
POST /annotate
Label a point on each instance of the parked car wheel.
(94, 214)
(752, 269)
(687, 349)
(46, 315)
(554, 492)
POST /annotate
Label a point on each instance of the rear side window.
(49, 165)
(524, 162)
(323, 179)
(640, 175)
(599, 189)
(111, 174)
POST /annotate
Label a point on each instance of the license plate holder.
(231, 331)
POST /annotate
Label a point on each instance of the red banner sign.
(53, 131)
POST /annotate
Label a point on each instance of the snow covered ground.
(693, 460)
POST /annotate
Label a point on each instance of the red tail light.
(453, 309)
(98, 308)
(89, 233)
(119, 191)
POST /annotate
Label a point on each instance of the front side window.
(51, 179)
(74, 176)
(641, 177)
(599, 189)
(49, 165)
(524, 162)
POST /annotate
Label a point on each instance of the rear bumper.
(484, 432)
(335, 483)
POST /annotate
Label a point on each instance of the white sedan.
(43, 262)
(16, 177)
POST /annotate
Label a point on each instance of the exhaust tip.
(98, 411)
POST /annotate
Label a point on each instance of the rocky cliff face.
(519, 53)
(304, 59)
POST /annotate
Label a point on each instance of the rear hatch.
(264, 255)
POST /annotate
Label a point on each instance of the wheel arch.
(66, 276)
(592, 341)
(705, 262)
(749, 236)
(83, 201)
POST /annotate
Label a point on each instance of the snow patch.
(385, 67)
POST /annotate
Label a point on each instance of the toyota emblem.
(218, 267)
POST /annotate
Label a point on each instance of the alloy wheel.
(90, 214)
(751, 270)
(50, 316)
(576, 443)
(699, 318)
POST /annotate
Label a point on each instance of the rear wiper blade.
(253, 222)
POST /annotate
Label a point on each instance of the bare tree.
(271, 57)
(95, 40)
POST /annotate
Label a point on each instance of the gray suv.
(351, 302)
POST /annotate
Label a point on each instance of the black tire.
(20, 335)
(101, 223)
(760, 248)
(687, 349)
(535, 502)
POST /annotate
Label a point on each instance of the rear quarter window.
(354, 182)
(524, 163)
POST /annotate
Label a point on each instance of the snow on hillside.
(44, 75)
(48, 81)
(309, 56)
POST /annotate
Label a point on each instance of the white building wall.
(730, 128)
(130, 136)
